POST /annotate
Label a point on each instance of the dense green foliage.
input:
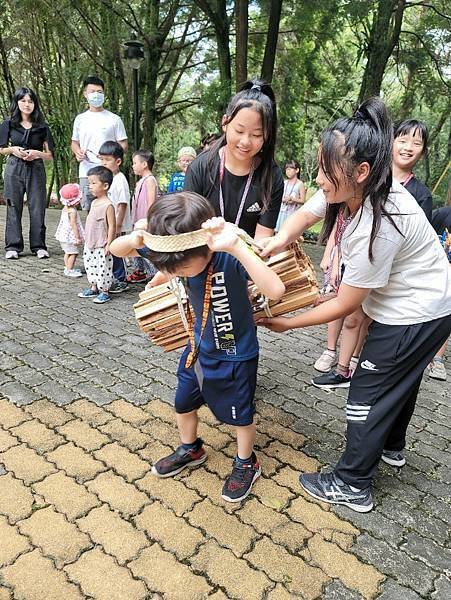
(329, 54)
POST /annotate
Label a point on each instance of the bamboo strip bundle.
(158, 314)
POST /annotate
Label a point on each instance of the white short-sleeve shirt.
(316, 205)
(409, 278)
(119, 193)
(91, 130)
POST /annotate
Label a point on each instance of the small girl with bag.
(70, 233)
(145, 194)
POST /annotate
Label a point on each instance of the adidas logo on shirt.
(254, 208)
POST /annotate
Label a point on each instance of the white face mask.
(96, 99)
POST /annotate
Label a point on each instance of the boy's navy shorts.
(228, 389)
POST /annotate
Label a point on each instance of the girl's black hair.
(146, 156)
(259, 96)
(180, 212)
(16, 117)
(294, 165)
(413, 125)
(367, 136)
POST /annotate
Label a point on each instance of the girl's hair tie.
(257, 87)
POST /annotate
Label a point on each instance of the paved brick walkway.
(85, 409)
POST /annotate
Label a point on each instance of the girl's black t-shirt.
(30, 139)
(203, 177)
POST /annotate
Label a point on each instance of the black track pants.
(383, 393)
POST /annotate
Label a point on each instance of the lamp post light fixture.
(134, 55)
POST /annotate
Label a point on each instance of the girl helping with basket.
(396, 269)
(237, 174)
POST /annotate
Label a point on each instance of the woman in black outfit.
(26, 140)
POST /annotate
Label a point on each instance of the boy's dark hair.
(94, 80)
(413, 125)
(104, 174)
(147, 156)
(111, 148)
(36, 115)
(180, 212)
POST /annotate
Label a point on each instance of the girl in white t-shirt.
(397, 271)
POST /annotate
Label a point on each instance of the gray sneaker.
(329, 488)
(395, 458)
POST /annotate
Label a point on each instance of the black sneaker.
(329, 488)
(240, 481)
(118, 287)
(395, 458)
(331, 380)
(178, 460)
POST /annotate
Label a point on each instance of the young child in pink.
(145, 194)
(70, 233)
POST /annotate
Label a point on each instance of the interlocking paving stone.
(339, 564)
(34, 577)
(57, 538)
(117, 536)
(123, 461)
(172, 493)
(408, 572)
(83, 435)
(236, 576)
(66, 495)
(99, 576)
(292, 571)
(117, 493)
(7, 440)
(16, 500)
(154, 565)
(76, 462)
(160, 524)
(12, 543)
(125, 434)
(26, 464)
(11, 415)
(37, 436)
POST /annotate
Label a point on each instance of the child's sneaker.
(437, 369)
(395, 458)
(118, 287)
(177, 461)
(137, 277)
(332, 380)
(326, 361)
(239, 483)
(88, 293)
(102, 298)
(73, 273)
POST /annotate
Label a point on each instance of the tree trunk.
(383, 38)
(269, 57)
(216, 11)
(242, 28)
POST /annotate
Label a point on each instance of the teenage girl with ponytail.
(237, 174)
(396, 269)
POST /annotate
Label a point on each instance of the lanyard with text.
(194, 352)
(407, 179)
(246, 189)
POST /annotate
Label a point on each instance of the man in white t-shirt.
(91, 129)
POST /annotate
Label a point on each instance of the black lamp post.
(134, 55)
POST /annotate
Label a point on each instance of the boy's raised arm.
(223, 238)
(126, 245)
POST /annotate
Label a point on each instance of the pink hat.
(70, 194)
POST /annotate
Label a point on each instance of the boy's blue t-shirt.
(230, 331)
(177, 182)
